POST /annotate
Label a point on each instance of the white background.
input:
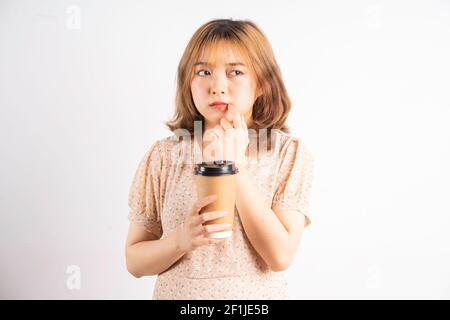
(85, 87)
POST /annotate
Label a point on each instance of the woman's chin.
(212, 122)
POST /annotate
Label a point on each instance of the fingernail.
(223, 213)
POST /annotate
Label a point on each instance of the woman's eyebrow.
(201, 63)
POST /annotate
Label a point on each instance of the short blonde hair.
(270, 109)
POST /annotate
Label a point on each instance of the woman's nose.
(216, 91)
(218, 86)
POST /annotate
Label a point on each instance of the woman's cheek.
(196, 93)
(194, 88)
(247, 94)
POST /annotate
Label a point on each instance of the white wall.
(86, 85)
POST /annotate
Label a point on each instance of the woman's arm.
(274, 235)
(147, 255)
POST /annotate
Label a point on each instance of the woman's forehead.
(221, 53)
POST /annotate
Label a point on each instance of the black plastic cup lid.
(215, 168)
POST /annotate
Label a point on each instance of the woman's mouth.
(219, 106)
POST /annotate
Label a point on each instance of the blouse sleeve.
(295, 179)
(144, 193)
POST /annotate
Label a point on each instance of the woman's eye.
(237, 72)
(203, 73)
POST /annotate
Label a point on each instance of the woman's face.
(222, 76)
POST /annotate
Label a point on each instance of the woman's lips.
(219, 106)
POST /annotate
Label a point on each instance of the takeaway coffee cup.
(219, 178)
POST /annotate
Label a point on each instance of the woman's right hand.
(193, 233)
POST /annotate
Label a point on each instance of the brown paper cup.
(219, 178)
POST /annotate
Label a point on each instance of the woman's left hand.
(232, 136)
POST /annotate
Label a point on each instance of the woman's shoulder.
(289, 144)
(167, 142)
(167, 148)
(285, 140)
(282, 135)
